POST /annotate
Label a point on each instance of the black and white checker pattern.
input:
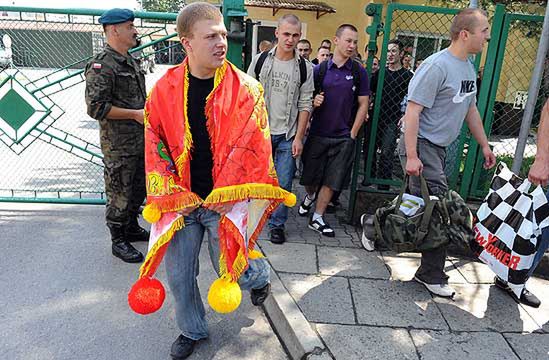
(516, 217)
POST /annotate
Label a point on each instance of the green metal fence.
(48, 145)
(504, 74)
(514, 53)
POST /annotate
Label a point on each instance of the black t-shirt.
(201, 152)
(395, 88)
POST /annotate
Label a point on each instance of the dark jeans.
(386, 142)
(543, 246)
(433, 157)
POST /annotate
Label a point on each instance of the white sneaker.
(306, 205)
(367, 244)
(442, 290)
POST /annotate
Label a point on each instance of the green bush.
(486, 175)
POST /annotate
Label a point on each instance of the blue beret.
(116, 16)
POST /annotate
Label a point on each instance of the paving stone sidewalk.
(365, 305)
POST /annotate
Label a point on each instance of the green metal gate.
(48, 145)
(424, 31)
(507, 73)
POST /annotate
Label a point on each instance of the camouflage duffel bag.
(437, 223)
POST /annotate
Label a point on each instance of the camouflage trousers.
(433, 158)
(124, 187)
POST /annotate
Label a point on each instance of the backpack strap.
(302, 70)
(355, 70)
(320, 78)
(259, 64)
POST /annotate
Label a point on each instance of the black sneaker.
(526, 297)
(332, 206)
(278, 236)
(258, 296)
(320, 226)
(306, 205)
(182, 347)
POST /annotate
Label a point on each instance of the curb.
(293, 329)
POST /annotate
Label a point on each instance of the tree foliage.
(172, 6)
(529, 29)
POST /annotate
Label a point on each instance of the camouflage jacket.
(113, 79)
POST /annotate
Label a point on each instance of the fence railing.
(49, 146)
(504, 72)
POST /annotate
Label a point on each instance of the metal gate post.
(487, 94)
(532, 94)
(375, 11)
(233, 16)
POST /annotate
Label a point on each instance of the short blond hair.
(466, 19)
(192, 13)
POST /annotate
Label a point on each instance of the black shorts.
(328, 161)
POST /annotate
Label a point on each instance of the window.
(422, 45)
(265, 30)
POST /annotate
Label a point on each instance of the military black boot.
(121, 248)
(134, 232)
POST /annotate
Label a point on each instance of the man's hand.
(297, 147)
(353, 135)
(489, 158)
(414, 166)
(186, 211)
(221, 209)
(318, 100)
(139, 116)
(539, 172)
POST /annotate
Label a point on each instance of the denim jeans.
(285, 170)
(182, 268)
(543, 246)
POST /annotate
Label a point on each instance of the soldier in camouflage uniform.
(115, 96)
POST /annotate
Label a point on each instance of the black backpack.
(302, 67)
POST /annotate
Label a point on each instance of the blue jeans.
(285, 170)
(543, 246)
(182, 268)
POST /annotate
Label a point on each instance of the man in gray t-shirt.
(441, 96)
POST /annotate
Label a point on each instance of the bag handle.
(429, 206)
(424, 191)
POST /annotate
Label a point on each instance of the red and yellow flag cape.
(243, 169)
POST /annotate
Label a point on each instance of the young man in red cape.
(209, 168)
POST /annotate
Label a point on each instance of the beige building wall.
(315, 30)
(516, 69)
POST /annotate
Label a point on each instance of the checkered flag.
(509, 226)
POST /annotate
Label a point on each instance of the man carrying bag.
(440, 96)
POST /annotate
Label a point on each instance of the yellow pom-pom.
(255, 254)
(224, 296)
(151, 213)
(290, 200)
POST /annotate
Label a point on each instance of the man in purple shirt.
(339, 111)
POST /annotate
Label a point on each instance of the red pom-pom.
(146, 296)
